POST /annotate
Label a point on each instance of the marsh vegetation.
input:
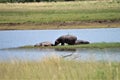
(56, 68)
(59, 15)
(92, 45)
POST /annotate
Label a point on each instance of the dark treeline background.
(18, 1)
(13, 1)
(23, 1)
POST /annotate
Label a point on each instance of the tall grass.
(59, 12)
(55, 68)
(59, 15)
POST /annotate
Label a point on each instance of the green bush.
(4, 1)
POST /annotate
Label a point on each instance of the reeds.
(56, 68)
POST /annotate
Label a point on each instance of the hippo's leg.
(62, 44)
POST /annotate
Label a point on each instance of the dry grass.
(60, 15)
(89, 5)
(55, 68)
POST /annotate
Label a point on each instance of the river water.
(17, 38)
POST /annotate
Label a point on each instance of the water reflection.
(108, 54)
(16, 38)
(67, 50)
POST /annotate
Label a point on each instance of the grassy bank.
(92, 45)
(57, 15)
(55, 68)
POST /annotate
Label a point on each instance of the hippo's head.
(56, 43)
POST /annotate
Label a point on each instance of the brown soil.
(61, 25)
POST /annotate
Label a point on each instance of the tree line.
(22, 1)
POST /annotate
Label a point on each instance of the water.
(16, 38)
(108, 54)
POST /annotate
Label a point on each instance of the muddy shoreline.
(61, 25)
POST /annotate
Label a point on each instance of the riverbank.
(92, 45)
(59, 15)
(56, 68)
(60, 25)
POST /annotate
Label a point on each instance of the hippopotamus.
(81, 42)
(69, 39)
(46, 43)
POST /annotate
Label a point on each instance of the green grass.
(59, 12)
(58, 16)
(92, 45)
(55, 68)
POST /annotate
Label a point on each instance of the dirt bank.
(61, 25)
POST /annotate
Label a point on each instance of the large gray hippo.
(77, 42)
(69, 39)
(46, 43)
